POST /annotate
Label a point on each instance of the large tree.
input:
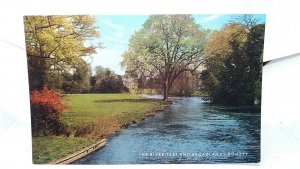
(56, 46)
(233, 63)
(254, 50)
(164, 48)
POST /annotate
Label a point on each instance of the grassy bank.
(89, 117)
(48, 148)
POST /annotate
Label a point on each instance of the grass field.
(92, 116)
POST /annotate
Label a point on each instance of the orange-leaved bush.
(49, 98)
(46, 106)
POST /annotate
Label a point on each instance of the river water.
(190, 131)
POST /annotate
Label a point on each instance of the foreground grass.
(48, 148)
(88, 108)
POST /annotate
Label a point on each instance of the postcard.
(145, 89)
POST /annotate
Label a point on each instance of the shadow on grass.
(128, 100)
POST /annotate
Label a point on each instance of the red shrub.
(49, 98)
(46, 107)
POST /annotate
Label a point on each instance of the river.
(190, 131)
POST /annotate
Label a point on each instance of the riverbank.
(81, 153)
(48, 148)
(92, 117)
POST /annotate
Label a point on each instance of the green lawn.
(48, 148)
(86, 108)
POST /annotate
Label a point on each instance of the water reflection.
(196, 132)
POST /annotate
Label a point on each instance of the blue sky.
(116, 30)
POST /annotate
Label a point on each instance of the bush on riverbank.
(46, 107)
(105, 126)
(102, 127)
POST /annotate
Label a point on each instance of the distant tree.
(55, 45)
(185, 85)
(106, 81)
(77, 81)
(165, 47)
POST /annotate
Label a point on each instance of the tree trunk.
(37, 73)
(166, 91)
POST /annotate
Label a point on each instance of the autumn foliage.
(50, 99)
(46, 106)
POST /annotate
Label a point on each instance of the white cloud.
(109, 58)
(115, 43)
(119, 41)
(116, 33)
(210, 18)
(112, 25)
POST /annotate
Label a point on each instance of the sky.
(116, 30)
